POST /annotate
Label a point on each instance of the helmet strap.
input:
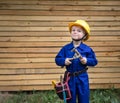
(80, 38)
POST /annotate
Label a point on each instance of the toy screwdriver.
(64, 94)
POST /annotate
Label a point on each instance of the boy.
(78, 83)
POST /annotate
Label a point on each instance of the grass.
(97, 96)
(105, 96)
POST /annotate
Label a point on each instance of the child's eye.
(79, 30)
(73, 29)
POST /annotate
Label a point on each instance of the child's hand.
(83, 60)
(67, 61)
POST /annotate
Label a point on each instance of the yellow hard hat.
(83, 24)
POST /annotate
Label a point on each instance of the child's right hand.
(67, 61)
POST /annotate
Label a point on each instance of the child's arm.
(91, 59)
(60, 58)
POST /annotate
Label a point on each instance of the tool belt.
(59, 88)
(78, 73)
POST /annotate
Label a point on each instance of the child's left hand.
(83, 60)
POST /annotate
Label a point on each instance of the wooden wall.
(33, 31)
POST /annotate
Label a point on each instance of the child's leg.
(83, 91)
(83, 98)
(72, 86)
(73, 99)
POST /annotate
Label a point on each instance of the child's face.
(77, 32)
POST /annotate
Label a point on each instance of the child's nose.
(75, 31)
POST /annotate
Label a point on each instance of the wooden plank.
(25, 82)
(60, 7)
(55, 76)
(52, 50)
(52, 55)
(32, 23)
(26, 88)
(48, 82)
(33, 44)
(103, 64)
(27, 55)
(33, 34)
(30, 77)
(108, 64)
(44, 39)
(103, 75)
(57, 70)
(29, 65)
(17, 71)
(59, 24)
(61, 2)
(109, 53)
(60, 13)
(54, 29)
(50, 87)
(109, 81)
(103, 70)
(104, 38)
(54, 44)
(105, 86)
(49, 60)
(52, 34)
(29, 50)
(60, 39)
(29, 60)
(61, 18)
(108, 59)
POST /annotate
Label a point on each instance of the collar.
(71, 46)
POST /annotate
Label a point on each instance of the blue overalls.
(79, 85)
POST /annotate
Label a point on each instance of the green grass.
(96, 96)
(105, 96)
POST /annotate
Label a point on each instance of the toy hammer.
(77, 54)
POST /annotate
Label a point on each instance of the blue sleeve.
(91, 58)
(60, 58)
